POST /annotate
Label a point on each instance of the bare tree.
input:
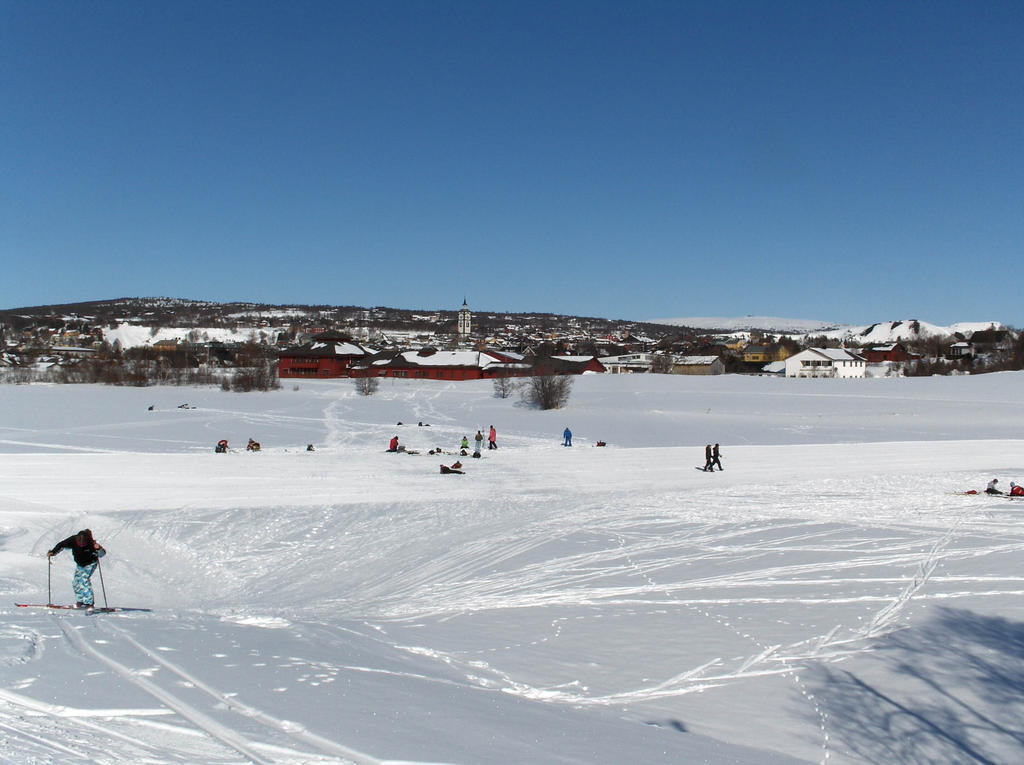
(260, 375)
(661, 363)
(505, 385)
(366, 386)
(547, 391)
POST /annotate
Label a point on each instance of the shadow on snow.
(951, 690)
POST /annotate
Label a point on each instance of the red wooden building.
(427, 364)
(431, 364)
(880, 353)
(566, 365)
(327, 355)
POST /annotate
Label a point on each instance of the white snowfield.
(831, 597)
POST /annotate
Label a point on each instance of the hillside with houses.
(139, 341)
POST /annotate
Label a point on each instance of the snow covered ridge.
(902, 331)
(136, 335)
(881, 332)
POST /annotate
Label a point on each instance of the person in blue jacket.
(567, 436)
(87, 553)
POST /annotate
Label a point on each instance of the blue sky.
(844, 161)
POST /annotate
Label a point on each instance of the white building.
(627, 363)
(465, 322)
(826, 362)
(961, 350)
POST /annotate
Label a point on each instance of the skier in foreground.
(87, 553)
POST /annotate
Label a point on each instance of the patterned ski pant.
(82, 583)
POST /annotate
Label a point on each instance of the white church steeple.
(465, 322)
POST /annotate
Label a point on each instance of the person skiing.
(567, 438)
(991, 488)
(716, 458)
(479, 439)
(1016, 490)
(708, 461)
(492, 439)
(87, 553)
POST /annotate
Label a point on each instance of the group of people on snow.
(478, 439)
(1016, 490)
(252, 446)
(712, 457)
(463, 448)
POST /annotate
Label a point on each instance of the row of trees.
(252, 369)
(541, 391)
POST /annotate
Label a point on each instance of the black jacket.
(84, 556)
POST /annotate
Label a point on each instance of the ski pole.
(49, 576)
(103, 587)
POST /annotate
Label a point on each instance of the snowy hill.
(880, 333)
(829, 597)
(903, 331)
(135, 335)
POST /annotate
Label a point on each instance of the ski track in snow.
(219, 699)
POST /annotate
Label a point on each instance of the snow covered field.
(829, 597)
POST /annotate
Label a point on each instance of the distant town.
(141, 341)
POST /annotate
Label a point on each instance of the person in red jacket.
(393, 446)
(492, 439)
(87, 553)
(1016, 490)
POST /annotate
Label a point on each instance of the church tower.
(465, 322)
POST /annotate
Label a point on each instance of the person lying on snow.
(991, 488)
(1016, 490)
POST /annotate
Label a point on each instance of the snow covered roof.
(432, 358)
(696, 361)
(512, 355)
(837, 354)
(331, 345)
(337, 348)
